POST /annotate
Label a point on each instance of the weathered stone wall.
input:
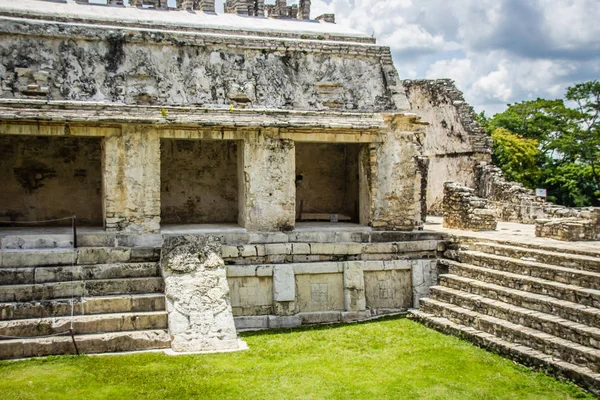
(570, 229)
(464, 210)
(45, 178)
(394, 176)
(515, 203)
(327, 179)
(454, 143)
(52, 60)
(199, 182)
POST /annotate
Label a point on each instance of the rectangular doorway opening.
(46, 178)
(327, 182)
(198, 181)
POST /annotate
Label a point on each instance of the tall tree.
(568, 143)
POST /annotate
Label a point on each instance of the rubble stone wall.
(464, 210)
(515, 203)
(570, 229)
(454, 143)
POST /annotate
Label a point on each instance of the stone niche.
(46, 178)
(327, 181)
(199, 181)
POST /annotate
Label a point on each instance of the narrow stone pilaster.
(284, 290)
(267, 193)
(131, 180)
(354, 287)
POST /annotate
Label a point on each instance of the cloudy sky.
(498, 51)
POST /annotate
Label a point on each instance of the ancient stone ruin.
(463, 210)
(259, 169)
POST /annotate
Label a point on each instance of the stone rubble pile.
(571, 229)
(515, 203)
(464, 210)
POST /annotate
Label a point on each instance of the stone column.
(131, 180)
(304, 9)
(197, 293)
(396, 178)
(267, 193)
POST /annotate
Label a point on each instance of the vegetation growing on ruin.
(566, 158)
(395, 358)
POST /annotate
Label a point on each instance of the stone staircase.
(539, 307)
(111, 298)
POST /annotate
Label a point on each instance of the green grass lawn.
(388, 359)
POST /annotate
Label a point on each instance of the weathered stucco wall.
(395, 179)
(327, 179)
(198, 181)
(454, 143)
(53, 60)
(48, 177)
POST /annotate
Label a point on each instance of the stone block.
(354, 286)
(229, 252)
(300, 248)
(284, 322)
(250, 323)
(320, 292)
(278, 249)
(391, 289)
(324, 317)
(284, 285)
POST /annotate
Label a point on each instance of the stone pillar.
(330, 18)
(267, 192)
(396, 179)
(197, 293)
(207, 6)
(131, 180)
(284, 290)
(304, 9)
(239, 7)
(424, 275)
(354, 287)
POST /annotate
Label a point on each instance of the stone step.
(554, 325)
(25, 275)
(81, 256)
(83, 324)
(101, 287)
(279, 253)
(576, 261)
(87, 344)
(554, 346)
(83, 306)
(561, 291)
(565, 309)
(584, 377)
(572, 276)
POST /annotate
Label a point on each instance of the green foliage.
(568, 143)
(518, 156)
(389, 359)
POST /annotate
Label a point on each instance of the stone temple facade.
(247, 170)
